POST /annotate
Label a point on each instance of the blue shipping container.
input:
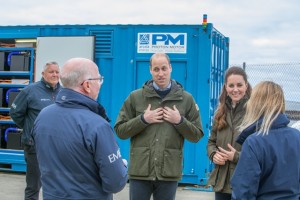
(199, 56)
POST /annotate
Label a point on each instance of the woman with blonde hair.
(269, 164)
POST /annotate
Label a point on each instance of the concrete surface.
(12, 187)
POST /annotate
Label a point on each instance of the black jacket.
(28, 104)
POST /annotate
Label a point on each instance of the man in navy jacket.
(76, 149)
(24, 110)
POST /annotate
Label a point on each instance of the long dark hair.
(220, 114)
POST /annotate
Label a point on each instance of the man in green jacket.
(157, 118)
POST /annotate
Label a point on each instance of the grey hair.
(48, 64)
(75, 77)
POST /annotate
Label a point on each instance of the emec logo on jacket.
(113, 157)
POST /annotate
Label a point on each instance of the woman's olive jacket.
(221, 174)
(156, 150)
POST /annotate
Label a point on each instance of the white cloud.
(268, 42)
(259, 31)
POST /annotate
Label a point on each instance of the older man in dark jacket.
(78, 155)
(24, 110)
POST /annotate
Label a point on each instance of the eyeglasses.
(100, 79)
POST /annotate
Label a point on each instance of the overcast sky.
(259, 31)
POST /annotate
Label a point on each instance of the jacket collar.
(72, 99)
(164, 89)
(240, 103)
(279, 122)
(149, 91)
(47, 85)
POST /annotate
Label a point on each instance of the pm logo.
(167, 39)
(162, 42)
(144, 38)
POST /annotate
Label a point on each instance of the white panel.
(60, 49)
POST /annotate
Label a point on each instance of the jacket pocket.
(172, 163)
(139, 161)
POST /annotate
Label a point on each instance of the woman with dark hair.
(222, 149)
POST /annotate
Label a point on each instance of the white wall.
(60, 49)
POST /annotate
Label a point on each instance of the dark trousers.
(33, 182)
(161, 190)
(222, 196)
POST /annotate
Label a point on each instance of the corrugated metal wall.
(200, 69)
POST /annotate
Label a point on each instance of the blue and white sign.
(162, 42)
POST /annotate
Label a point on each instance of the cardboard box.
(14, 141)
(19, 63)
(1, 97)
(2, 61)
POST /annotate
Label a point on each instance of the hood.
(279, 122)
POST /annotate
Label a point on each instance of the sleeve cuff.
(143, 119)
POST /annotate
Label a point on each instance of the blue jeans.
(161, 190)
(33, 182)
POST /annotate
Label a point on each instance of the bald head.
(76, 70)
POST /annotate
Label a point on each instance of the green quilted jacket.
(156, 150)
